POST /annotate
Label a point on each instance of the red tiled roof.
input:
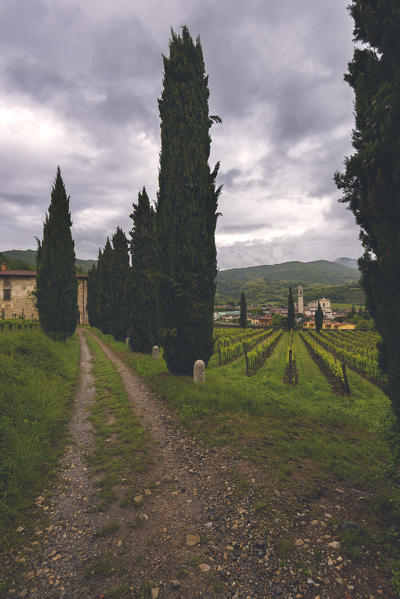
(18, 273)
(29, 273)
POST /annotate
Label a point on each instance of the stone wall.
(82, 299)
(21, 303)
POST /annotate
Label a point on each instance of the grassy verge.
(37, 384)
(123, 446)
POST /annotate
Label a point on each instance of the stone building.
(17, 294)
(325, 304)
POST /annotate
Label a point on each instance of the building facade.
(331, 325)
(312, 306)
(17, 299)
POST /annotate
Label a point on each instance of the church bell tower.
(300, 300)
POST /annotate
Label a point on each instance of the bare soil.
(209, 523)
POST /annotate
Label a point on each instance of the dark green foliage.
(118, 284)
(319, 318)
(107, 284)
(91, 302)
(56, 283)
(186, 208)
(143, 326)
(371, 181)
(290, 321)
(104, 304)
(243, 311)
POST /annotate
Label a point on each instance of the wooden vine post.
(247, 360)
(345, 380)
(219, 353)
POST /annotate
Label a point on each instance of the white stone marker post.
(127, 341)
(155, 352)
(199, 372)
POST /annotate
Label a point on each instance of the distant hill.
(13, 263)
(269, 283)
(28, 257)
(349, 262)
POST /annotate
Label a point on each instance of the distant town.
(268, 315)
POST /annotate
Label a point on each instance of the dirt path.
(206, 524)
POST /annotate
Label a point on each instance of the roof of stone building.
(17, 273)
(29, 273)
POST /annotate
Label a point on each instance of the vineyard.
(17, 325)
(333, 351)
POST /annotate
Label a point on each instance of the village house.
(17, 298)
(264, 321)
(330, 324)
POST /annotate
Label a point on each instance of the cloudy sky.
(79, 82)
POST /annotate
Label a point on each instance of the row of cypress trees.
(123, 299)
(167, 294)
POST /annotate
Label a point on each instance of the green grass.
(284, 427)
(123, 446)
(37, 385)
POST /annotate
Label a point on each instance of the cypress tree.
(243, 311)
(91, 303)
(118, 283)
(143, 304)
(104, 289)
(186, 208)
(319, 318)
(371, 180)
(56, 283)
(290, 311)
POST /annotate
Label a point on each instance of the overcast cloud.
(79, 82)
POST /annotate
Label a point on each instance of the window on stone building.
(6, 294)
(7, 283)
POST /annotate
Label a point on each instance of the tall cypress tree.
(371, 181)
(319, 318)
(118, 284)
(143, 292)
(186, 208)
(105, 301)
(243, 312)
(56, 283)
(91, 302)
(290, 310)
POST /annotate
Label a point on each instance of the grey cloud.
(275, 72)
(242, 228)
(311, 245)
(228, 178)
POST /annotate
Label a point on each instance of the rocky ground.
(202, 523)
